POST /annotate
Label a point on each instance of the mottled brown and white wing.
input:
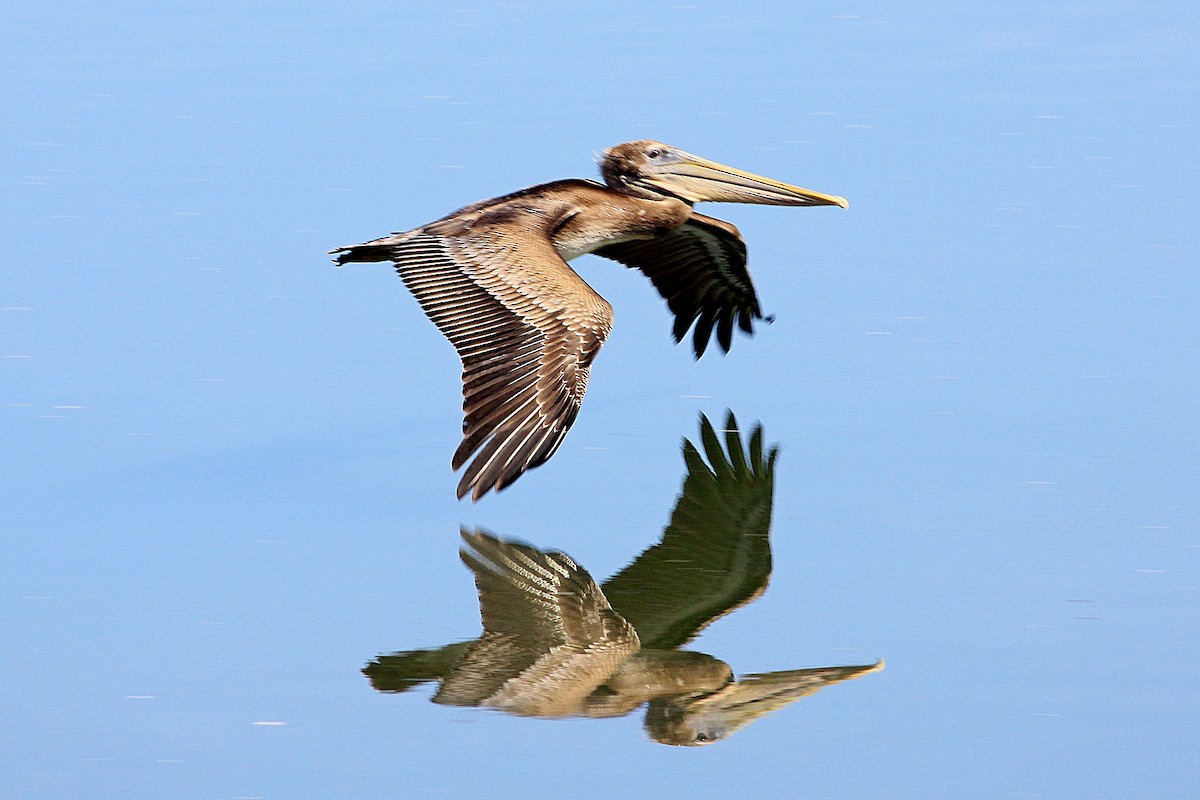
(700, 269)
(549, 639)
(526, 327)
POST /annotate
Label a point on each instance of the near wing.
(526, 327)
(700, 269)
(549, 635)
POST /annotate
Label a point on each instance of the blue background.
(226, 479)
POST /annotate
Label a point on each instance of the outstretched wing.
(549, 636)
(700, 269)
(715, 555)
(525, 325)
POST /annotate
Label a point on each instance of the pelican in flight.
(494, 279)
(555, 643)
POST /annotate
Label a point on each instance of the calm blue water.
(226, 481)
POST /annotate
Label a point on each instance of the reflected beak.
(718, 715)
(698, 180)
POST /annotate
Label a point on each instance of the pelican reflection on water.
(493, 277)
(556, 644)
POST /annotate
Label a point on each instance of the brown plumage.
(556, 644)
(550, 638)
(494, 278)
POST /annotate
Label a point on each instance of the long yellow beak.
(699, 180)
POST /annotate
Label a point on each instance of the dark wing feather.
(526, 327)
(700, 269)
(715, 555)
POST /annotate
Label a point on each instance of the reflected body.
(494, 278)
(557, 644)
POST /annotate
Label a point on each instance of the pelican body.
(494, 279)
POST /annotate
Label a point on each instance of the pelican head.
(651, 169)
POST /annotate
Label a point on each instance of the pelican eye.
(654, 152)
(701, 737)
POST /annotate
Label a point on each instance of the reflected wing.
(525, 325)
(700, 269)
(550, 638)
(715, 555)
(704, 720)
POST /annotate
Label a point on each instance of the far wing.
(700, 269)
(715, 555)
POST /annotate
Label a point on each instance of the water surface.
(226, 463)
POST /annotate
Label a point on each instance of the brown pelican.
(494, 278)
(556, 644)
